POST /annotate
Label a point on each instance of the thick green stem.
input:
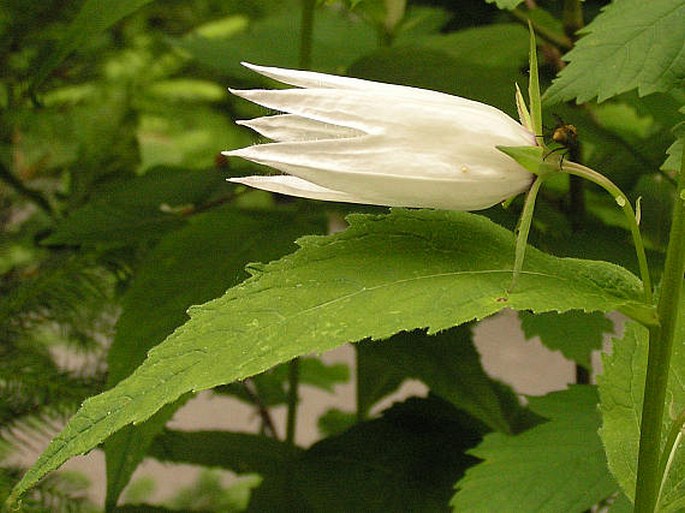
(524, 228)
(661, 339)
(576, 169)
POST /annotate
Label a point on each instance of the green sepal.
(531, 158)
(534, 99)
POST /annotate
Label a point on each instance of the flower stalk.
(575, 169)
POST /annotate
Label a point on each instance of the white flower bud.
(356, 141)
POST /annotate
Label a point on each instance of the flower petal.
(293, 186)
(407, 115)
(463, 189)
(289, 127)
(379, 154)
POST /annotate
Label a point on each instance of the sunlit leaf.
(412, 269)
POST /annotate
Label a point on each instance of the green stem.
(661, 339)
(293, 399)
(573, 168)
(305, 59)
(361, 414)
(524, 228)
(306, 33)
(10, 179)
(572, 18)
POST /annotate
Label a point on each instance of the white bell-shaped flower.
(356, 141)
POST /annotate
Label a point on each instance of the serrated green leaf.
(556, 466)
(575, 334)
(449, 365)
(621, 390)
(94, 17)
(631, 44)
(136, 209)
(189, 266)
(675, 152)
(384, 274)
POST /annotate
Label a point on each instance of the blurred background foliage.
(116, 216)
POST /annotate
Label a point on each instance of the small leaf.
(575, 334)
(556, 466)
(631, 44)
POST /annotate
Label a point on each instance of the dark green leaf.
(94, 17)
(335, 421)
(449, 365)
(375, 379)
(239, 452)
(137, 209)
(556, 466)
(407, 460)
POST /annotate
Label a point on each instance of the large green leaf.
(384, 274)
(621, 391)
(555, 466)
(631, 44)
(188, 267)
(94, 17)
